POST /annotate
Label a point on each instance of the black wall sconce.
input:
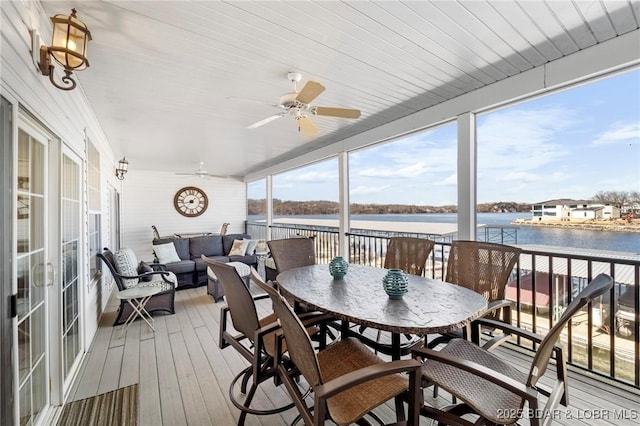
(121, 170)
(68, 47)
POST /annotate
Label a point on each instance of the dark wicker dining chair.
(484, 268)
(492, 388)
(291, 253)
(347, 379)
(255, 341)
(253, 337)
(409, 254)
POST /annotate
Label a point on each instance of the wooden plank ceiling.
(174, 83)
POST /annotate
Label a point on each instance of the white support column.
(269, 183)
(467, 162)
(343, 176)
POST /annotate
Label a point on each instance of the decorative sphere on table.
(338, 267)
(395, 283)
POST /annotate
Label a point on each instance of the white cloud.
(619, 133)
(408, 171)
(366, 190)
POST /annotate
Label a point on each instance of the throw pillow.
(126, 265)
(251, 246)
(143, 268)
(166, 253)
(238, 248)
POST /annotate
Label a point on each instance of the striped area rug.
(117, 408)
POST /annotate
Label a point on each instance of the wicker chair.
(123, 267)
(346, 378)
(409, 254)
(256, 341)
(484, 268)
(495, 390)
(291, 253)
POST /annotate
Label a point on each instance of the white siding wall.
(147, 199)
(67, 115)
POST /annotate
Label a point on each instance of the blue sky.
(571, 144)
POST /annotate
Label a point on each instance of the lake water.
(586, 239)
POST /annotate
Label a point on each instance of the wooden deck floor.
(184, 377)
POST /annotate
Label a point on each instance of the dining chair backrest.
(239, 300)
(408, 253)
(596, 288)
(291, 253)
(299, 344)
(481, 266)
(156, 234)
(107, 257)
(223, 228)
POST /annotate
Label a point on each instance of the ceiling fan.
(200, 172)
(298, 105)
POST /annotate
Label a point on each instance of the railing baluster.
(369, 247)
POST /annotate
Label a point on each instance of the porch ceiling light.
(121, 170)
(68, 47)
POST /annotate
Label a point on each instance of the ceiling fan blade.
(336, 112)
(306, 126)
(266, 120)
(309, 92)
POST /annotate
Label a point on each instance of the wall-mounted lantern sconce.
(121, 170)
(68, 47)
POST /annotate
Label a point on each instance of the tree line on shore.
(291, 208)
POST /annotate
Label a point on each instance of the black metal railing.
(598, 340)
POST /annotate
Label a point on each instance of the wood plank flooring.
(184, 377)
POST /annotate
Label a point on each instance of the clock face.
(190, 201)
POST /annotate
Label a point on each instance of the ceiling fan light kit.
(298, 105)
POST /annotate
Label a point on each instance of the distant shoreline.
(592, 225)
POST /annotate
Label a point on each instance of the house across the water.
(567, 210)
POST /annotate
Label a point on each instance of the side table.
(262, 257)
(213, 285)
(138, 297)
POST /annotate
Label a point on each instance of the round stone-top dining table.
(429, 306)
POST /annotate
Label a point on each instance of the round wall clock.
(190, 201)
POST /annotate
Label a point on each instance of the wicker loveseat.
(190, 269)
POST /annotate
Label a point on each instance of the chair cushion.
(182, 267)
(249, 260)
(182, 248)
(127, 265)
(201, 265)
(166, 253)
(209, 246)
(160, 282)
(344, 357)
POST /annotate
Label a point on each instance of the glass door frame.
(7, 240)
(34, 129)
(56, 333)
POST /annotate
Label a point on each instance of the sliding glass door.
(70, 249)
(33, 274)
